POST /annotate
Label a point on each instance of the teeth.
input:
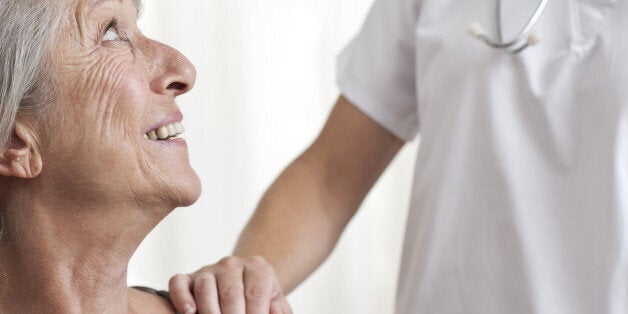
(165, 132)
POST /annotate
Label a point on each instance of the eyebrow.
(93, 4)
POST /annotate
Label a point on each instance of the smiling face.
(117, 91)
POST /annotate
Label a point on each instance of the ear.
(21, 158)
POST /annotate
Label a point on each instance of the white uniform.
(520, 199)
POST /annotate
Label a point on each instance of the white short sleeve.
(376, 71)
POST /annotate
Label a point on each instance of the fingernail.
(189, 309)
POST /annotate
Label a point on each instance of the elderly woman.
(91, 158)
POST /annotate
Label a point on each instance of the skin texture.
(79, 185)
(304, 212)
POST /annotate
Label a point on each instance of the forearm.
(302, 215)
(297, 223)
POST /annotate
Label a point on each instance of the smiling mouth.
(166, 133)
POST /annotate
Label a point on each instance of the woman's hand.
(232, 286)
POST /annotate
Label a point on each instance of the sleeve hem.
(402, 125)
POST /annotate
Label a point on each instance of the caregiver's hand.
(232, 286)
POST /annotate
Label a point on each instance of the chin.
(193, 194)
(189, 190)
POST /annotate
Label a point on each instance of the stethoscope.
(526, 37)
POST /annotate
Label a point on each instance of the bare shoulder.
(144, 302)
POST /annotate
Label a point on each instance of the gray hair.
(26, 30)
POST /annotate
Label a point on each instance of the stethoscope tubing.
(521, 40)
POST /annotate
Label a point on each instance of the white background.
(266, 82)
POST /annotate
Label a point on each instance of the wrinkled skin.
(95, 186)
(112, 91)
(80, 186)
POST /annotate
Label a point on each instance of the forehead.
(89, 5)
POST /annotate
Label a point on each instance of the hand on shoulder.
(233, 285)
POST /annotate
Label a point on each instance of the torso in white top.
(520, 199)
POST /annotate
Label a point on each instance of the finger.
(280, 306)
(259, 282)
(180, 287)
(206, 293)
(231, 287)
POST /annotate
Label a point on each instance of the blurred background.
(265, 85)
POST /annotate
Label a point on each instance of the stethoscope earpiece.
(533, 39)
(524, 39)
(475, 30)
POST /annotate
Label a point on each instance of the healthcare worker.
(520, 197)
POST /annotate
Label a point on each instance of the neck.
(64, 258)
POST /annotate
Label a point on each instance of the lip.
(174, 117)
(178, 142)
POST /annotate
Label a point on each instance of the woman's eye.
(111, 35)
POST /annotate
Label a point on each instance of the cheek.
(95, 123)
(114, 98)
(104, 95)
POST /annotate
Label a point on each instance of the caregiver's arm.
(302, 215)
(298, 220)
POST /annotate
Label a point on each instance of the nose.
(175, 76)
